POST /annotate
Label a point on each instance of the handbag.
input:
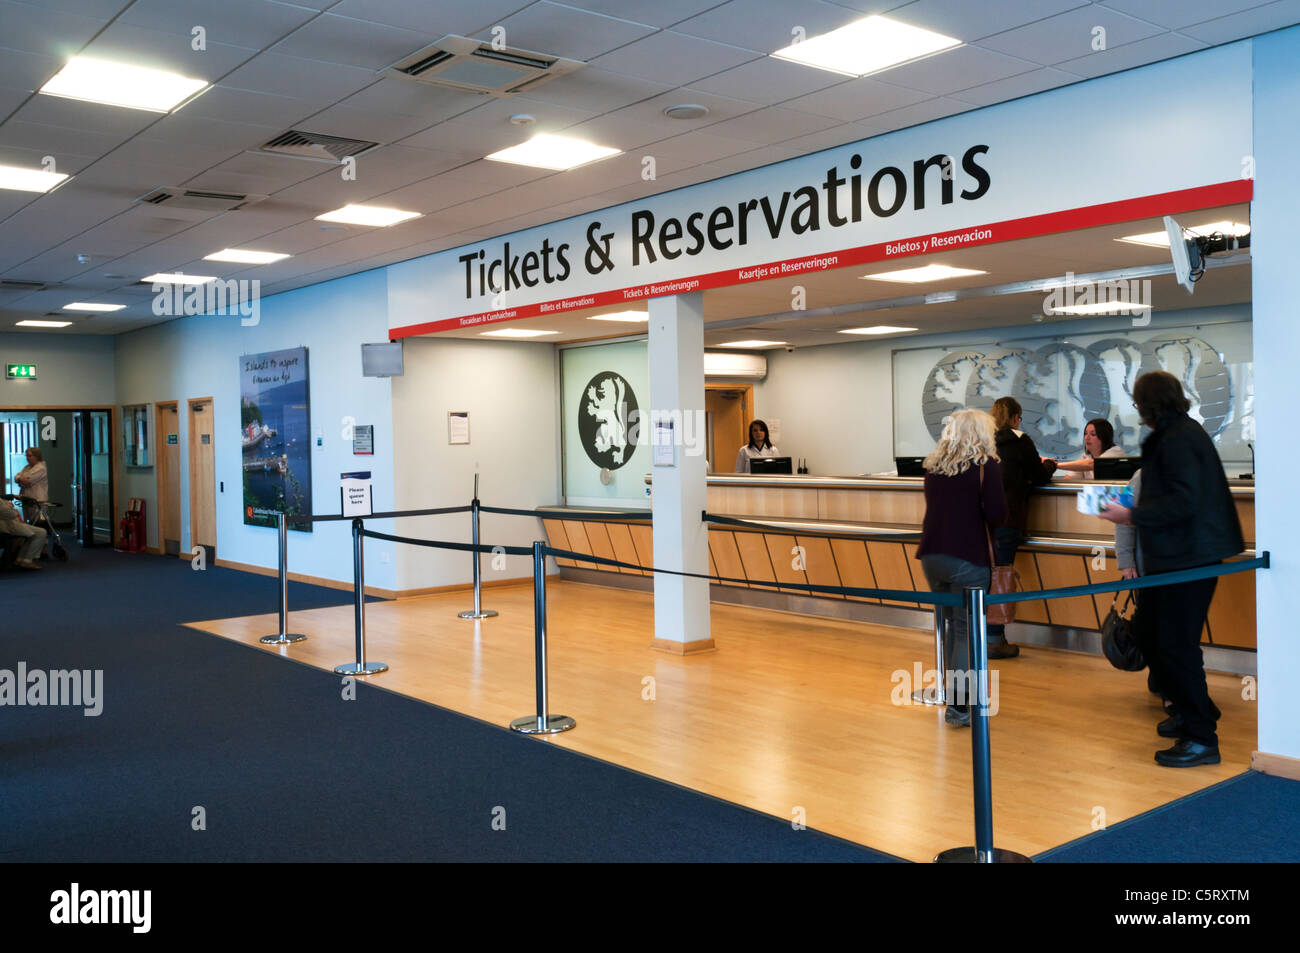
(1002, 579)
(1117, 641)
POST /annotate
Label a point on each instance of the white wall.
(199, 357)
(1273, 216)
(71, 369)
(511, 391)
(835, 402)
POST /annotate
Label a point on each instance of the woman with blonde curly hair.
(963, 502)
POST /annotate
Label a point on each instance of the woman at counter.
(1022, 470)
(1098, 441)
(759, 446)
(963, 501)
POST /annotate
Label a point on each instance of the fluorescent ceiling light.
(516, 333)
(245, 256)
(43, 324)
(553, 152)
(176, 278)
(1102, 307)
(629, 316)
(119, 84)
(752, 344)
(927, 273)
(866, 46)
(374, 216)
(878, 329)
(29, 180)
(90, 306)
(1161, 239)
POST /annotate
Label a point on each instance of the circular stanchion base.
(923, 697)
(471, 614)
(282, 638)
(352, 668)
(531, 724)
(966, 855)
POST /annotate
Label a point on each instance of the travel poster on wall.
(275, 433)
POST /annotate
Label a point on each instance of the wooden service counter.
(829, 517)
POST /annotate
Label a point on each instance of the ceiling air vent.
(313, 145)
(457, 62)
(198, 199)
(17, 284)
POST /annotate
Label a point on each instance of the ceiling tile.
(650, 113)
(253, 175)
(701, 146)
(1271, 16)
(1069, 35)
(346, 122)
(240, 105)
(768, 80)
(954, 70)
(435, 17)
(156, 49)
(661, 13)
(1014, 87)
(399, 97)
(856, 99)
(563, 31)
(298, 78)
(26, 71)
(90, 118)
(336, 39)
(915, 115)
(247, 23)
(767, 25)
(1151, 50)
(497, 112)
(103, 10)
(46, 31)
(224, 138)
(597, 90)
(674, 58)
(971, 21)
(1176, 14)
(773, 124)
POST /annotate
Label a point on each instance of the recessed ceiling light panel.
(925, 273)
(31, 323)
(176, 278)
(120, 84)
(754, 343)
(91, 306)
(1161, 239)
(878, 329)
(374, 216)
(867, 46)
(516, 333)
(245, 256)
(631, 317)
(546, 151)
(29, 180)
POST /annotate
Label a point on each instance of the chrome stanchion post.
(939, 695)
(982, 770)
(284, 636)
(478, 612)
(360, 666)
(542, 723)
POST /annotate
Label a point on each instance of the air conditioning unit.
(473, 66)
(744, 367)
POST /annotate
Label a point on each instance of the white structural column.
(679, 491)
(1273, 217)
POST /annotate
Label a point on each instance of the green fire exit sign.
(20, 372)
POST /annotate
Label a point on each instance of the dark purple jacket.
(956, 513)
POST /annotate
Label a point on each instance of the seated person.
(11, 524)
(759, 446)
(1098, 441)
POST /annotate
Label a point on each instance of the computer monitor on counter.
(771, 465)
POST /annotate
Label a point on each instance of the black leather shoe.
(1187, 754)
(1171, 727)
(1003, 650)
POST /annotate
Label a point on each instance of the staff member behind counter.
(759, 446)
(1098, 441)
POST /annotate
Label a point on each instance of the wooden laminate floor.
(793, 716)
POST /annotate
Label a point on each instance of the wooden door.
(728, 407)
(167, 437)
(203, 498)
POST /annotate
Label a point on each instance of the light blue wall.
(1273, 218)
(71, 369)
(199, 357)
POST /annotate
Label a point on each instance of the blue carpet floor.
(1247, 819)
(284, 768)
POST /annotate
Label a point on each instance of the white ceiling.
(314, 65)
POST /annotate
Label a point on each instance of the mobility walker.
(42, 519)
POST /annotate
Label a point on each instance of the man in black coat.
(1185, 518)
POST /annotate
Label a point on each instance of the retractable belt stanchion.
(939, 696)
(542, 723)
(983, 852)
(360, 666)
(478, 612)
(284, 636)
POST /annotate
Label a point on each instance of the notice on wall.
(356, 493)
(663, 444)
(458, 426)
(363, 439)
(172, 439)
